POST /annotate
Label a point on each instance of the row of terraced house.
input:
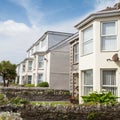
(81, 62)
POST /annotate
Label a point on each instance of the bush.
(29, 85)
(18, 101)
(102, 98)
(43, 84)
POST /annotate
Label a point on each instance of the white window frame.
(109, 87)
(109, 35)
(76, 53)
(41, 62)
(89, 41)
(40, 80)
(86, 85)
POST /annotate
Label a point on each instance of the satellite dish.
(115, 57)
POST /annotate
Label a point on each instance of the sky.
(22, 22)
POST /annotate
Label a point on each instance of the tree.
(7, 71)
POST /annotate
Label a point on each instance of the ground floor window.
(29, 79)
(40, 77)
(87, 81)
(109, 81)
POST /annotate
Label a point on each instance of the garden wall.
(36, 94)
(59, 112)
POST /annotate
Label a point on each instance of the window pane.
(87, 90)
(76, 52)
(88, 34)
(88, 77)
(88, 40)
(40, 78)
(41, 62)
(30, 65)
(29, 79)
(109, 77)
(108, 28)
(109, 43)
(111, 89)
(88, 47)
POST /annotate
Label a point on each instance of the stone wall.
(36, 94)
(59, 112)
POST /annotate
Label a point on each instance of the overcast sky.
(22, 22)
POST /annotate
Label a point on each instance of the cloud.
(32, 9)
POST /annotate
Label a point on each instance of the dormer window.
(108, 36)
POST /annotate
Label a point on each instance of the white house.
(99, 52)
(47, 60)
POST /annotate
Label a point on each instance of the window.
(40, 61)
(40, 77)
(76, 53)
(109, 80)
(87, 40)
(108, 36)
(87, 81)
(29, 79)
(23, 68)
(29, 65)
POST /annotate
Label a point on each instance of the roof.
(49, 32)
(65, 41)
(107, 12)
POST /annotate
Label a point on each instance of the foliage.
(18, 101)
(29, 85)
(10, 116)
(43, 84)
(102, 98)
(91, 116)
(3, 99)
(7, 71)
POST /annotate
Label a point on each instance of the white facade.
(47, 62)
(99, 42)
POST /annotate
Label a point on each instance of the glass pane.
(111, 89)
(41, 61)
(109, 43)
(40, 78)
(29, 79)
(109, 77)
(88, 77)
(76, 51)
(87, 90)
(88, 47)
(108, 28)
(88, 34)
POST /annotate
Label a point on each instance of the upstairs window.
(23, 68)
(76, 53)
(40, 61)
(87, 40)
(108, 36)
(29, 65)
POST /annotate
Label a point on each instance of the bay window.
(109, 80)
(87, 81)
(87, 44)
(108, 36)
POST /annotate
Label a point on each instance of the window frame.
(30, 67)
(75, 61)
(109, 35)
(29, 80)
(87, 42)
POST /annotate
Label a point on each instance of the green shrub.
(43, 84)
(29, 85)
(18, 101)
(102, 98)
(3, 99)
